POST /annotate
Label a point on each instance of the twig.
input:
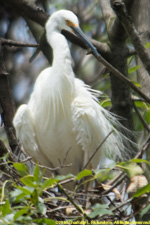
(51, 169)
(123, 204)
(111, 182)
(98, 147)
(79, 209)
(41, 166)
(144, 148)
(65, 157)
(113, 204)
(26, 159)
(115, 185)
(6, 174)
(135, 99)
(59, 208)
(141, 118)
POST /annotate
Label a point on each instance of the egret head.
(62, 19)
(67, 20)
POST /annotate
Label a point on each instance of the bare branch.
(122, 77)
(17, 43)
(49, 168)
(118, 181)
(98, 147)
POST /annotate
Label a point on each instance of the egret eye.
(71, 24)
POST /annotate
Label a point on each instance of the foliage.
(32, 197)
(24, 204)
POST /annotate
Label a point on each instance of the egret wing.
(25, 131)
(92, 124)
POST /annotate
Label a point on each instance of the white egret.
(63, 112)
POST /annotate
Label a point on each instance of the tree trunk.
(121, 97)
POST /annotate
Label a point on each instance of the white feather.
(63, 113)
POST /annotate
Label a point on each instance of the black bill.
(83, 37)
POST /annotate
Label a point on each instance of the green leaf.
(36, 173)
(136, 84)
(83, 174)
(141, 104)
(6, 208)
(101, 175)
(105, 174)
(143, 190)
(41, 208)
(63, 177)
(21, 168)
(45, 221)
(27, 190)
(106, 103)
(145, 210)
(49, 183)
(147, 117)
(5, 157)
(100, 209)
(35, 197)
(14, 194)
(133, 69)
(98, 172)
(139, 161)
(147, 45)
(19, 193)
(20, 213)
(28, 181)
(130, 59)
(9, 218)
(130, 168)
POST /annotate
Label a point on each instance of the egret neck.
(62, 63)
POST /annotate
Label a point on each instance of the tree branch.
(122, 77)
(121, 12)
(7, 103)
(17, 43)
